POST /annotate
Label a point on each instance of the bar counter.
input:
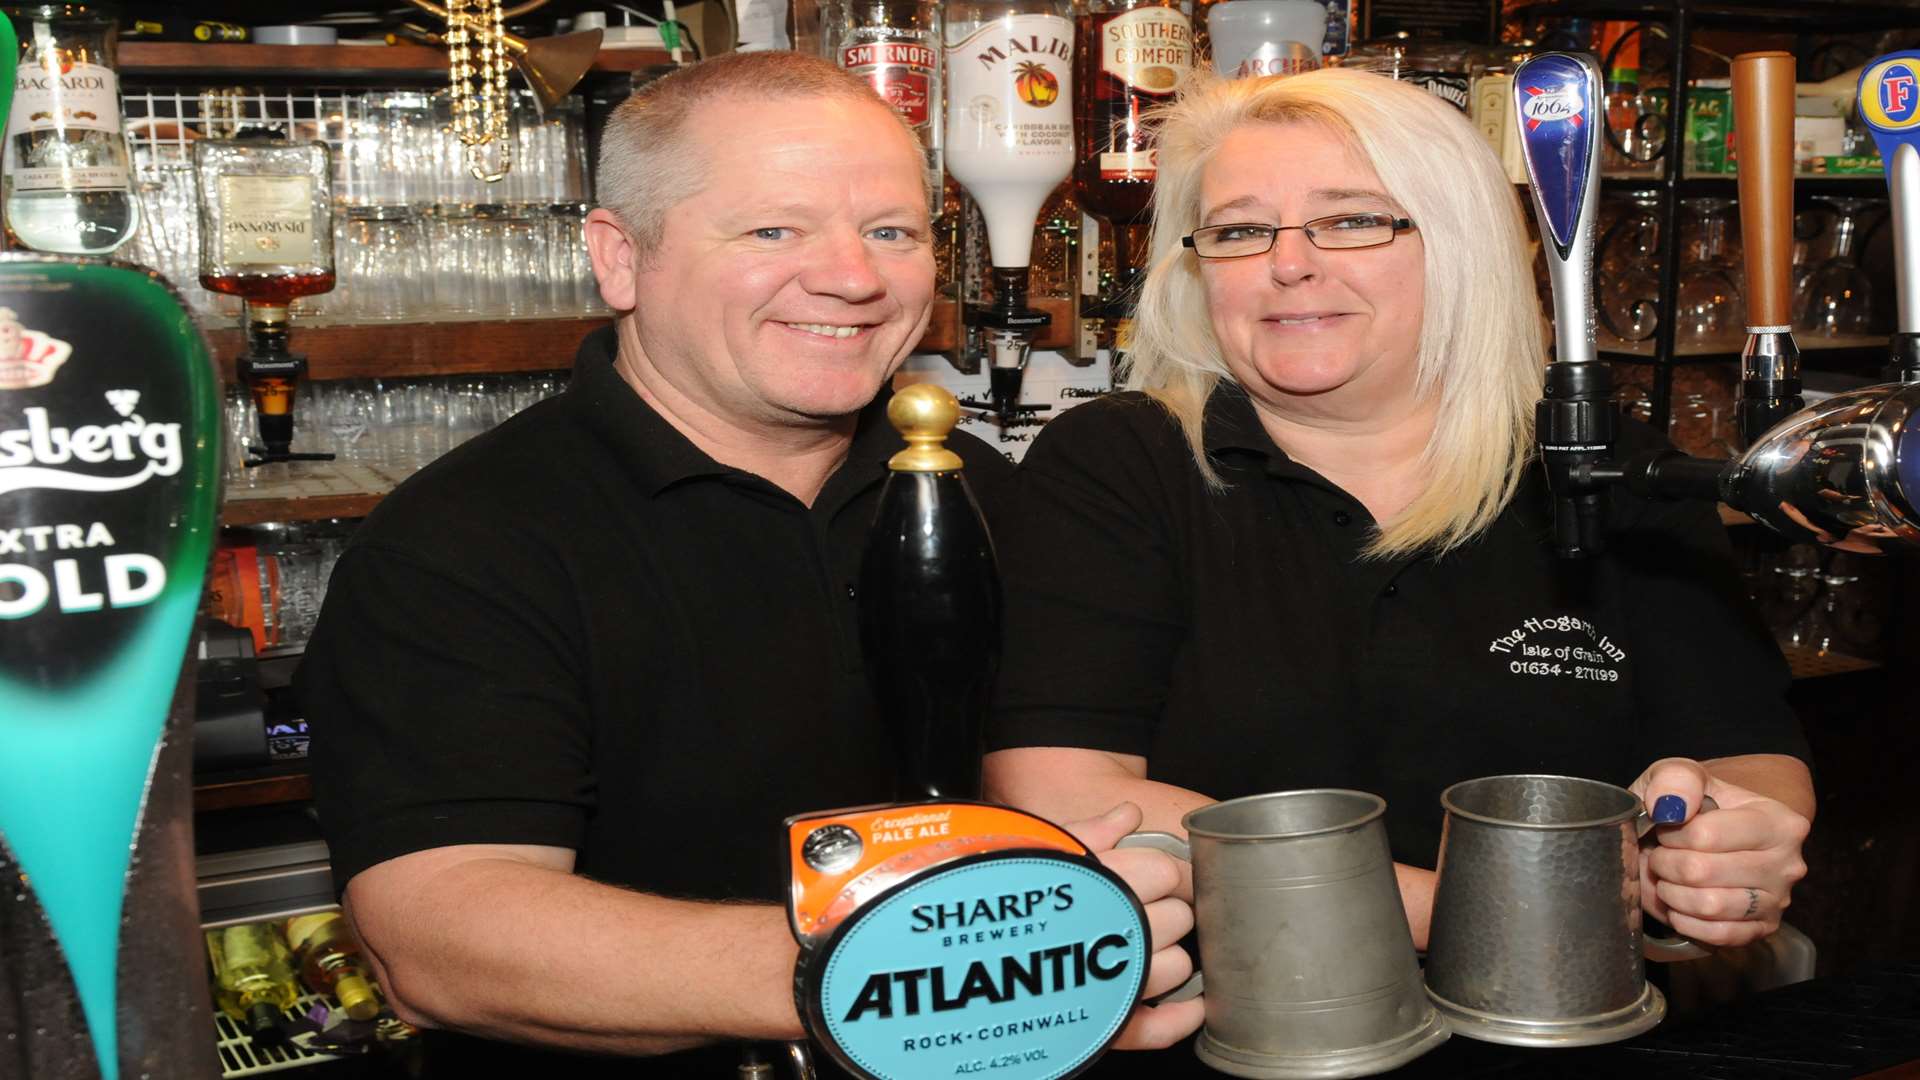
(1866, 1024)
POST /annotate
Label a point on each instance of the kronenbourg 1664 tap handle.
(1561, 116)
(1890, 105)
(930, 605)
(1763, 99)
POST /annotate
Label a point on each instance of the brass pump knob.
(924, 414)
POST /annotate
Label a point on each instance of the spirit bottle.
(330, 962)
(896, 45)
(1009, 143)
(1133, 55)
(67, 181)
(253, 978)
(266, 236)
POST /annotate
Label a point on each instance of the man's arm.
(505, 941)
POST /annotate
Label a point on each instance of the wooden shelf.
(240, 512)
(404, 349)
(397, 349)
(256, 791)
(151, 59)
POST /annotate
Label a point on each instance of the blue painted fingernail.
(1669, 810)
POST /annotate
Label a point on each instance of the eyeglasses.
(1341, 232)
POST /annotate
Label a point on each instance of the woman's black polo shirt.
(579, 630)
(1240, 643)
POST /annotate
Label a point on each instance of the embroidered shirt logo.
(1540, 646)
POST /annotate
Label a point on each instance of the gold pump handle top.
(924, 415)
(1763, 93)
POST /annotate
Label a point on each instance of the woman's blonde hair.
(1480, 345)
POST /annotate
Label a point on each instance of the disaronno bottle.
(266, 220)
(68, 187)
(1009, 112)
(896, 46)
(266, 236)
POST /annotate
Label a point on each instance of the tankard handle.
(1667, 950)
(1176, 847)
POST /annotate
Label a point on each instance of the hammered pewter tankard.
(1308, 964)
(1536, 936)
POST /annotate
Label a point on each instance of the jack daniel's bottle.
(930, 605)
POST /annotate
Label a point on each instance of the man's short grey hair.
(647, 159)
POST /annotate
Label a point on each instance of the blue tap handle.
(1890, 107)
(1562, 117)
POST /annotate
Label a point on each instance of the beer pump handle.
(1557, 99)
(929, 597)
(1763, 99)
(1890, 106)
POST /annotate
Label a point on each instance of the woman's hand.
(1722, 877)
(1153, 876)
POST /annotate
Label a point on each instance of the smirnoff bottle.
(68, 187)
(896, 45)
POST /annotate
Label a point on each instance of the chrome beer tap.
(1844, 472)
(1557, 96)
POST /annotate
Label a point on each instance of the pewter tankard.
(1536, 936)
(1308, 964)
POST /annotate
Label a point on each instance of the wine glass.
(1711, 315)
(1628, 281)
(1837, 298)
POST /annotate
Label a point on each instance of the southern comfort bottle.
(1133, 55)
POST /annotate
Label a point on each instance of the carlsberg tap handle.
(1557, 97)
(109, 490)
(1890, 105)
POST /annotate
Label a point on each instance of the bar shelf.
(147, 59)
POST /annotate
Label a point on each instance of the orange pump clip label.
(840, 859)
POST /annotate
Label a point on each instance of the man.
(570, 677)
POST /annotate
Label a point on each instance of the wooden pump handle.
(1763, 138)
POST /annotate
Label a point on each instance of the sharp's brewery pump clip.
(956, 939)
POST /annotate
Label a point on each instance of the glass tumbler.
(384, 263)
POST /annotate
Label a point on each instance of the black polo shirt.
(580, 630)
(1240, 642)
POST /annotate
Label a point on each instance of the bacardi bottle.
(68, 186)
(896, 45)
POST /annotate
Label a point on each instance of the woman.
(1310, 547)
